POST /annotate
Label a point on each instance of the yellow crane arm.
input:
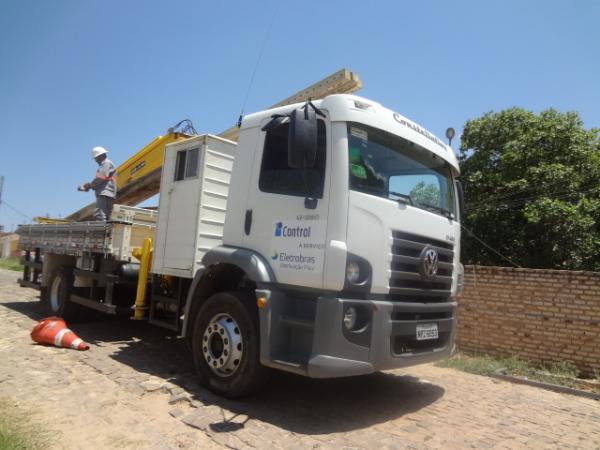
(146, 161)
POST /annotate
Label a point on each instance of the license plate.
(427, 331)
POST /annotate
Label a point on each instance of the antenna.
(262, 49)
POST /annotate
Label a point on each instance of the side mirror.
(302, 138)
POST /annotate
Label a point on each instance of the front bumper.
(312, 341)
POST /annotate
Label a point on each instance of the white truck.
(326, 243)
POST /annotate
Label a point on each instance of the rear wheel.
(58, 295)
(225, 345)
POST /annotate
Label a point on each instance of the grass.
(10, 264)
(562, 373)
(17, 432)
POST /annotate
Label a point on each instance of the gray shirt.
(105, 182)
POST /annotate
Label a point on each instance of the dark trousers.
(104, 206)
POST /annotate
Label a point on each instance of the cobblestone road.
(135, 389)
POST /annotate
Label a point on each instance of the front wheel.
(225, 345)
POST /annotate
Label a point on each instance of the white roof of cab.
(352, 108)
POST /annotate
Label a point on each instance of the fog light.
(352, 272)
(350, 318)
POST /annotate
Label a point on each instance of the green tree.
(425, 194)
(532, 189)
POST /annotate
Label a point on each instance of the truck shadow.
(311, 406)
(294, 403)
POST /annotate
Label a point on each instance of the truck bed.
(116, 238)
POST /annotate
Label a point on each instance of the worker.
(104, 185)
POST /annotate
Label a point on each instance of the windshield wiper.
(444, 211)
(404, 198)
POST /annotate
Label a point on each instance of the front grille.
(421, 316)
(406, 283)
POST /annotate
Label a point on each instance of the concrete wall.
(540, 315)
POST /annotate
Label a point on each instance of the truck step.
(297, 364)
(297, 323)
(164, 324)
(292, 364)
(164, 299)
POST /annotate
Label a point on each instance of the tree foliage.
(425, 194)
(532, 189)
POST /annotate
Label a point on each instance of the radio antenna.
(262, 49)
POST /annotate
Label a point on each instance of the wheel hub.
(222, 345)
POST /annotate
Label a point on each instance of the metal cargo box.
(193, 201)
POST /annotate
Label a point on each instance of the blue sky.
(76, 74)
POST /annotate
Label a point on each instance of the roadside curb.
(501, 375)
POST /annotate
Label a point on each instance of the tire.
(225, 345)
(57, 300)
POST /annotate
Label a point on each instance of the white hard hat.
(97, 151)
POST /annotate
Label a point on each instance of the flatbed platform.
(116, 238)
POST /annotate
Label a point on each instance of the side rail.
(67, 239)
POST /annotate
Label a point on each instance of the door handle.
(248, 222)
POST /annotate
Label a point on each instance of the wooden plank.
(343, 81)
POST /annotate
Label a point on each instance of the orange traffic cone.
(54, 331)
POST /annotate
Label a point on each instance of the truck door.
(286, 229)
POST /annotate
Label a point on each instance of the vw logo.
(429, 263)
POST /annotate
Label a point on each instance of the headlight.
(357, 277)
(352, 272)
(350, 318)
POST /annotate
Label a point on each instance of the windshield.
(391, 167)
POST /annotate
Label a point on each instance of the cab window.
(277, 177)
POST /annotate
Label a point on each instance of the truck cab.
(358, 251)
